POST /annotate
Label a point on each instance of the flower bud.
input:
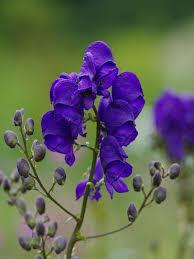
(137, 183)
(59, 244)
(132, 212)
(174, 171)
(29, 126)
(23, 167)
(21, 205)
(40, 229)
(28, 183)
(160, 194)
(46, 218)
(39, 151)
(30, 220)
(1, 177)
(154, 166)
(17, 119)
(35, 241)
(25, 243)
(15, 177)
(11, 201)
(38, 257)
(60, 175)
(40, 205)
(10, 138)
(52, 229)
(6, 184)
(156, 179)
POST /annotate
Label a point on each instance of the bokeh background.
(39, 39)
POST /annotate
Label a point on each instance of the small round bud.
(154, 166)
(160, 194)
(156, 179)
(21, 205)
(40, 229)
(52, 229)
(132, 212)
(28, 183)
(29, 126)
(35, 241)
(137, 183)
(25, 243)
(17, 119)
(15, 177)
(11, 201)
(174, 171)
(39, 151)
(38, 257)
(59, 244)
(30, 220)
(6, 184)
(1, 177)
(23, 167)
(40, 205)
(60, 175)
(10, 138)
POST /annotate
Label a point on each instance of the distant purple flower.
(188, 102)
(169, 120)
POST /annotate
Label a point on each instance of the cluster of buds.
(157, 192)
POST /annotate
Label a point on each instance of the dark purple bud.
(21, 205)
(23, 167)
(52, 229)
(15, 177)
(29, 126)
(30, 220)
(39, 151)
(1, 177)
(132, 212)
(40, 229)
(160, 194)
(154, 166)
(25, 243)
(10, 138)
(35, 241)
(137, 183)
(38, 257)
(59, 244)
(156, 179)
(28, 183)
(17, 119)
(174, 171)
(60, 175)
(40, 205)
(6, 184)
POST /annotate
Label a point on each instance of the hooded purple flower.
(112, 158)
(169, 120)
(57, 137)
(188, 102)
(98, 71)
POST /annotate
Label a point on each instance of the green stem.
(74, 238)
(43, 249)
(48, 195)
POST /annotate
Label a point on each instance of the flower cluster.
(174, 122)
(121, 101)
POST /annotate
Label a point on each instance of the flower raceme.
(121, 101)
(173, 117)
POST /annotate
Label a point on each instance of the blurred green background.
(39, 39)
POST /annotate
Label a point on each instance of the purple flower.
(188, 102)
(57, 137)
(99, 68)
(169, 120)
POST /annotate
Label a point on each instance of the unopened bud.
(23, 167)
(40, 229)
(15, 177)
(11, 201)
(154, 166)
(160, 194)
(40, 205)
(59, 244)
(132, 212)
(174, 171)
(137, 183)
(38, 257)
(35, 241)
(21, 205)
(10, 138)
(30, 220)
(28, 183)
(39, 151)
(156, 179)
(52, 229)
(6, 184)
(25, 243)
(29, 126)
(60, 175)
(17, 119)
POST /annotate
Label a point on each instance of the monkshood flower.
(169, 120)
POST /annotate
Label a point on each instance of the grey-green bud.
(35, 241)
(156, 179)
(10, 138)
(15, 177)
(23, 167)
(25, 243)
(174, 171)
(30, 220)
(40, 205)
(60, 175)
(21, 205)
(160, 194)
(59, 244)
(40, 229)
(6, 184)
(132, 212)
(38, 257)
(39, 151)
(17, 119)
(28, 183)
(52, 229)
(137, 183)
(154, 166)
(29, 126)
